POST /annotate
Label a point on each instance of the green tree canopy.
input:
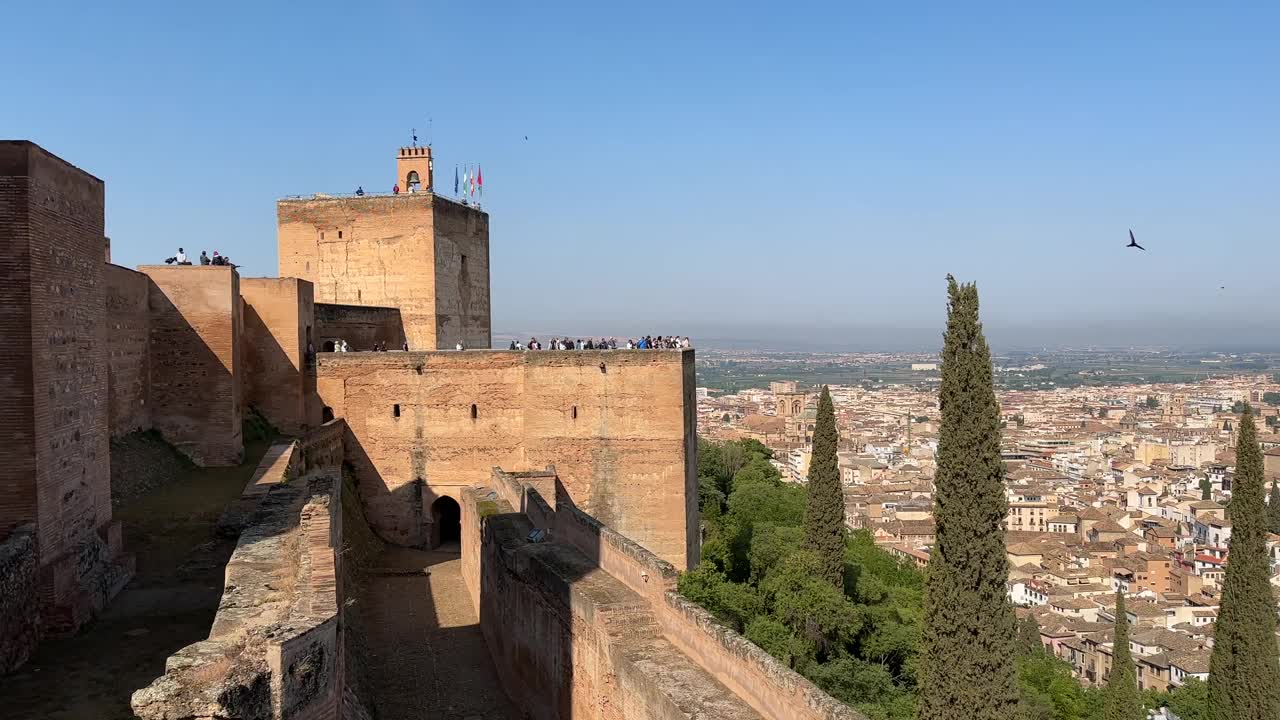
(1029, 635)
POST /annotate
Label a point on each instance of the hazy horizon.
(745, 173)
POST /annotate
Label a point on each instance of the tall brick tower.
(55, 480)
(417, 251)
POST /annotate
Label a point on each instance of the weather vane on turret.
(414, 133)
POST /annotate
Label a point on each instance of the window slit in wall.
(474, 412)
(574, 412)
(395, 410)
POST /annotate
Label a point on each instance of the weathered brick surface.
(19, 599)
(195, 360)
(404, 251)
(17, 391)
(54, 469)
(278, 318)
(622, 439)
(275, 648)
(128, 323)
(361, 326)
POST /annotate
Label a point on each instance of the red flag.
(480, 180)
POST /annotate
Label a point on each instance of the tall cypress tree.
(1206, 489)
(969, 641)
(824, 530)
(1273, 507)
(1029, 635)
(1120, 699)
(1244, 670)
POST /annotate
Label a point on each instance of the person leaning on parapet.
(181, 257)
(359, 191)
(405, 346)
(204, 258)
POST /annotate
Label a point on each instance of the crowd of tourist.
(217, 259)
(648, 342)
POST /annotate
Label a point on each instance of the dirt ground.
(427, 659)
(170, 603)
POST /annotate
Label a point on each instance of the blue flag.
(455, 180)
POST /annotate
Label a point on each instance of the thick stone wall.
(462, 276)
(18, 483)
(128, 320)
(591, 621)
(276, 647)
(54, 466)
(403, 251)
(614, 424)
(278, 324)
(361, 326)
(195, 360)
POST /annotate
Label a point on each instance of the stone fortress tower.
(415, 251)
(563, 484)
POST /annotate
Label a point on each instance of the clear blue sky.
(789, 171)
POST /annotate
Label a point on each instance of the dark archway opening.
(328, 346)
(447, 517)
(326, 414)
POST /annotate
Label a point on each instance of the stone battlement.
(631, 644)
(275, 647)
(619, 425)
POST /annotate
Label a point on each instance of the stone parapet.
(589, 622)
(275, 648)
(618, 425)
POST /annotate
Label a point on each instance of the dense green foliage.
(857, 641)
(1029, 635)
(1191, 701)
(1153, 402)
(862, 645)
(1271, 398)
(1244, 670)
(1120, 699)
(969, 633)
(1273, 508)
(1237, 407)
(1206, 489)
(824, 529)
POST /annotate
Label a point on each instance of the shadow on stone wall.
(195, 400)
(362, 326)
(276, 642)
(584, 622)
(271, 383)
(402, 518)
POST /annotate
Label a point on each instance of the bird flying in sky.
(1133, 242)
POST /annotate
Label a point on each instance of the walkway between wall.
(427, 658)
